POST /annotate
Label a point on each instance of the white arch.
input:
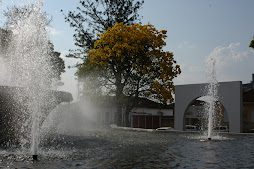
(230, 95)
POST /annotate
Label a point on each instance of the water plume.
(28, 61)
(212, 93)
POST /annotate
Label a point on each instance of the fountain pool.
(112, 148)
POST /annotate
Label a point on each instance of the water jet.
(26, 95)
(212, 93)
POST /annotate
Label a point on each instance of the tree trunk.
(119, 101)
(118, 119)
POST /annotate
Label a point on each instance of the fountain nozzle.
(35, 157)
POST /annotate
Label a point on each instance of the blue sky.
(196, 29)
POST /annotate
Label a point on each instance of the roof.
(146, 103)
(110, 101)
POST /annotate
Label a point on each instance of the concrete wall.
(230, 95)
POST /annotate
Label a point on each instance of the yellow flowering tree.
(129, 62)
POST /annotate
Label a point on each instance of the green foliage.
(96, 16)
(58, 66)
(252, 43)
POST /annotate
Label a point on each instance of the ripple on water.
(214, 138)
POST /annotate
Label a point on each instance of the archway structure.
(230, 95)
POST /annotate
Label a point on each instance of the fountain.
(26, 94)
(212, 93)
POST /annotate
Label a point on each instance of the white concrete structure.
(230, 96)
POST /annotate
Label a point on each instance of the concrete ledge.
(113, 126)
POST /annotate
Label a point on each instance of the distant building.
(151, 115)
(249, 86)
(248, 110)
(248, 105)
(145, 114)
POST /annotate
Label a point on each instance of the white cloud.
(233, 63)
(228, 55)
(53, 31)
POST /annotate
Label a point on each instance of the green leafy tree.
(128, 62)
(96, 16)
(252, 43)
(57, 63)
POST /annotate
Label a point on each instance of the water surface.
(114, 148)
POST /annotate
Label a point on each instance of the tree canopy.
(129, 61)
(96, 16)
(252, 43)
(57, 63)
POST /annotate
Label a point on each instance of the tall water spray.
(212, 93)
(27, 60)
